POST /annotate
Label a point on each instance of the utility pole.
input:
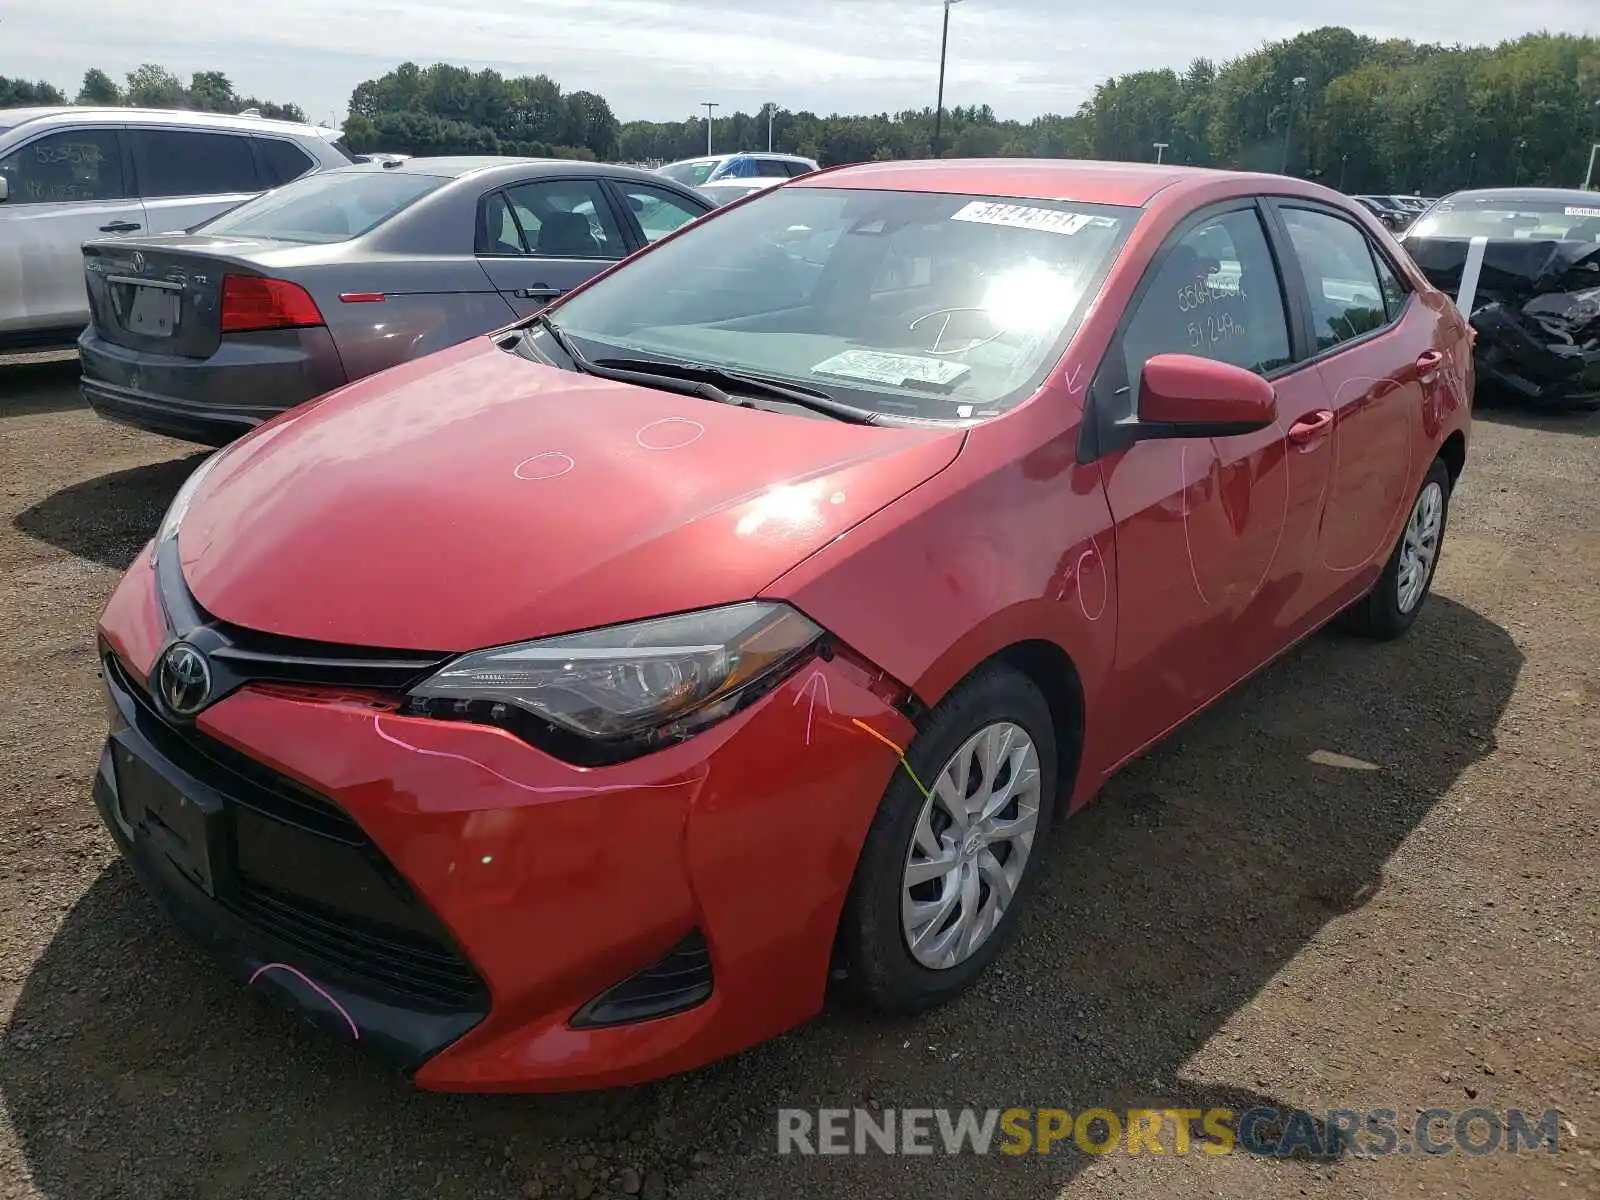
(772, 111)
(1295, 85)
(1160, 146)
(708, 105)
(938, 112)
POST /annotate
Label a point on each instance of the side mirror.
(1183, 395)
(5, 189)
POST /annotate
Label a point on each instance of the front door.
(1374, 347)
(540, 239)
(64, 188)
(1213, 534)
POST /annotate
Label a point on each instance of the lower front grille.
(302, 873)
(675, 983)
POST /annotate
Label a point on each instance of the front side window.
(659, 212)
(174, 162)
(333, 206)
(1346, 297)
(566, 218)
(72, 165)
(919, 304)
(1216, 294)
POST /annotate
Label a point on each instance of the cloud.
(658, 59)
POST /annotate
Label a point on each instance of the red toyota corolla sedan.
(564, 709)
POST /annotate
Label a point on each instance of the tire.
(1381, 613)
(878, 965)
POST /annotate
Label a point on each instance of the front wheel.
(1395, 600)
(950, 856)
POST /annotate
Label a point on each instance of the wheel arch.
(1454, 453)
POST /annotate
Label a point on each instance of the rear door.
(539, 239)
(186, 175)
(66, 187)
(1374, 350)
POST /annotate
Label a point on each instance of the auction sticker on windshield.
(1575, 210)
(1028, 216)
(896, 370)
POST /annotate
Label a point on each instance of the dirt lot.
(1231, 924)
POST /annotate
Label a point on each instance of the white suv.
(69, 175)
(747, 164)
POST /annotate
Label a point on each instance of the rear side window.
(1393, 288)
(1216, 294)
(75, 164)
(566, 218)
(797, 169)
(172, 162)
(282, 161)
(1341, 277)
(772, 167)
(333, 206)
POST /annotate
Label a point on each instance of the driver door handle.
(539, 291)
(1310, 427)
(119, 227)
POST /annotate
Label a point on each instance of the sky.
(660, 59)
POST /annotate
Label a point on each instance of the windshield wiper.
(645, 378)
(743, 381)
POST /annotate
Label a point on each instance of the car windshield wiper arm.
(759, 385)
(645, 378)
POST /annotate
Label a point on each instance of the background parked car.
(743, 165)
(1524, 265)
(206, 334)
(1394, 215)
(722, 191)
(71, 174)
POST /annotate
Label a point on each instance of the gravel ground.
(1231, 923)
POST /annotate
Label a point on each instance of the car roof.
(1081, 180)
(741, 154)
(1514, 194)
(73, 113)
(460, 166)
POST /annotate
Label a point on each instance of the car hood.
(474, 498)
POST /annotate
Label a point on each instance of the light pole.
(1344, 161)
(1298, 82)
(1594, 149)
(938, 112)
(1516, 171)
(772, 111)
(1160, 146)
(1472, 167)
(708, 105)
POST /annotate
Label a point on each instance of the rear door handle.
(1427, 363)
(1309, 428)
(119, 227)
(540, 291)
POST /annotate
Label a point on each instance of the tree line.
(150, 86)
(1357, 113)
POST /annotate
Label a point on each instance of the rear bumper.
(249, 379)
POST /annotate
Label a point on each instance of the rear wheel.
(950, 856)
(1388, 610)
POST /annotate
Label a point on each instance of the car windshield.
(912, 304)
(334, 206)
(1556, 218)
(691, 173)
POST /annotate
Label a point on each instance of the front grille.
(303, 873)
(675, 983)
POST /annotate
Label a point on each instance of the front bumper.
(249, 379)
(552, 884)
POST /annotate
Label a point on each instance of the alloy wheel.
(1420, 546)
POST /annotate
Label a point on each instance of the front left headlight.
(612, 693)
(179, 508)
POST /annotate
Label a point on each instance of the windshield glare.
(907, 303)
(333, 206)
(691, 173)
(1556, 219)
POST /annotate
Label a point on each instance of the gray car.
(204, 335)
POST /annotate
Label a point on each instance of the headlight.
(179, 507)
(617, 692)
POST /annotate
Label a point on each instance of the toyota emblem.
(183, 680)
